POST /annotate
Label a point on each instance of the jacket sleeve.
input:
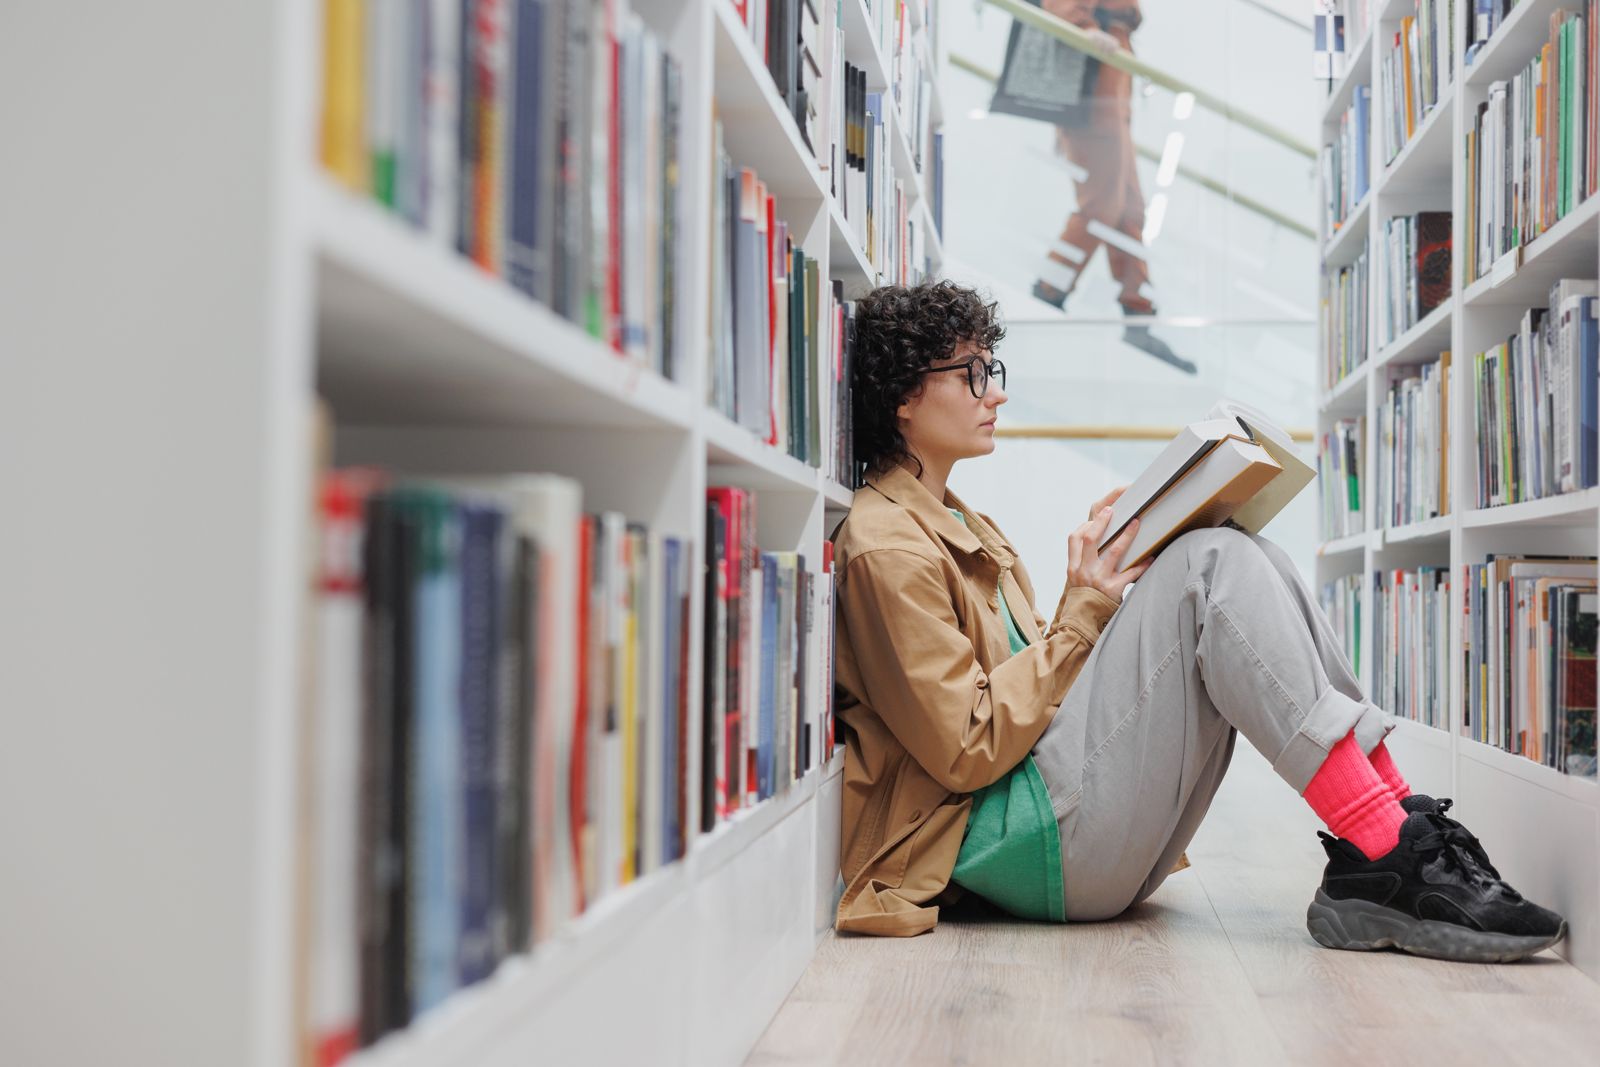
(1077, 12)
(965, 726)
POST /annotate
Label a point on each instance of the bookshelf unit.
(244, 284)
(1541, 826)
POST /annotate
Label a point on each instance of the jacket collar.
(899, 485)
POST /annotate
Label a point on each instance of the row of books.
(1413, 477)
(500, 731)
(1416, 269)
(1411, 643)
(780, 330)
(846, 125)
(500, 724)
(1533, 148)
(877, 202)
(768, 661)
(1534, 399)
(1346, 166)
(1341, 459)
(1485, 18)
(1417, 68)
(909, 52)
(789, 36)
(1341, 604)
(1529, 652)
(1345, 309)
(539, 138)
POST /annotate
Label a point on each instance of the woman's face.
(943, 421)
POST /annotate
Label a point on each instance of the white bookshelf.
(1541, 827)
(174, 336)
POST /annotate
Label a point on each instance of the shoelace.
(1448, 841)
(1463, 836)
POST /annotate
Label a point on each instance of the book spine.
(443, 111)
(528, 239)
(344, 102)
(435, 759)
(333, 1001)
(477, 697)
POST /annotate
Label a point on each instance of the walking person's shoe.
(1140, 337)
(1048, 293)
(1429, 896)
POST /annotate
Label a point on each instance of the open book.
(1234, 464)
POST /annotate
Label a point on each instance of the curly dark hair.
(900, 332)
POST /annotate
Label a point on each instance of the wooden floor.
(1216, 968)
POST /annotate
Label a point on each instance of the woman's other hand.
(1088, 566)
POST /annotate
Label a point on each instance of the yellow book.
(343, 152)
(1406, 28)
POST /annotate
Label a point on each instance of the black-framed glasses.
(979, 371)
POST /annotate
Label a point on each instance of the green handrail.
(1040, 19)
(1248, 203)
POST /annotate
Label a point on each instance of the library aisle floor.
(1215, 968)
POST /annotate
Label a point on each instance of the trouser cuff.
(1332, 717)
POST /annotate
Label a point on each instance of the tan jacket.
(931, 704)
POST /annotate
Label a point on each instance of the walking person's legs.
(1130, 269)
(1110, 212)
(1100, 187)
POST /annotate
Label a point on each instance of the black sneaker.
(1427, 896)
(1429, 806)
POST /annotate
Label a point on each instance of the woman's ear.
(904, 410)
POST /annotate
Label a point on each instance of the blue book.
(1362, 106)
(435, 759)
(480, 546)
(1588, 417)
(769, 675)
(671, 549)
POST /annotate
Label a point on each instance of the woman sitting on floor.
(1058, 769)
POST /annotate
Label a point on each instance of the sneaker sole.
(1362, 926)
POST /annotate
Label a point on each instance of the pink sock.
(1383, 763)
(1356, 804)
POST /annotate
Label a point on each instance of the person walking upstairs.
(1110, 204)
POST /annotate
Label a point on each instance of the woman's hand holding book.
(1087, 566)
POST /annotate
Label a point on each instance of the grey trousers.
(1220, 636)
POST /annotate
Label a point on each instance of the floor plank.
(1216, 968)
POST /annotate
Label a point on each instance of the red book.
(730, 502)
